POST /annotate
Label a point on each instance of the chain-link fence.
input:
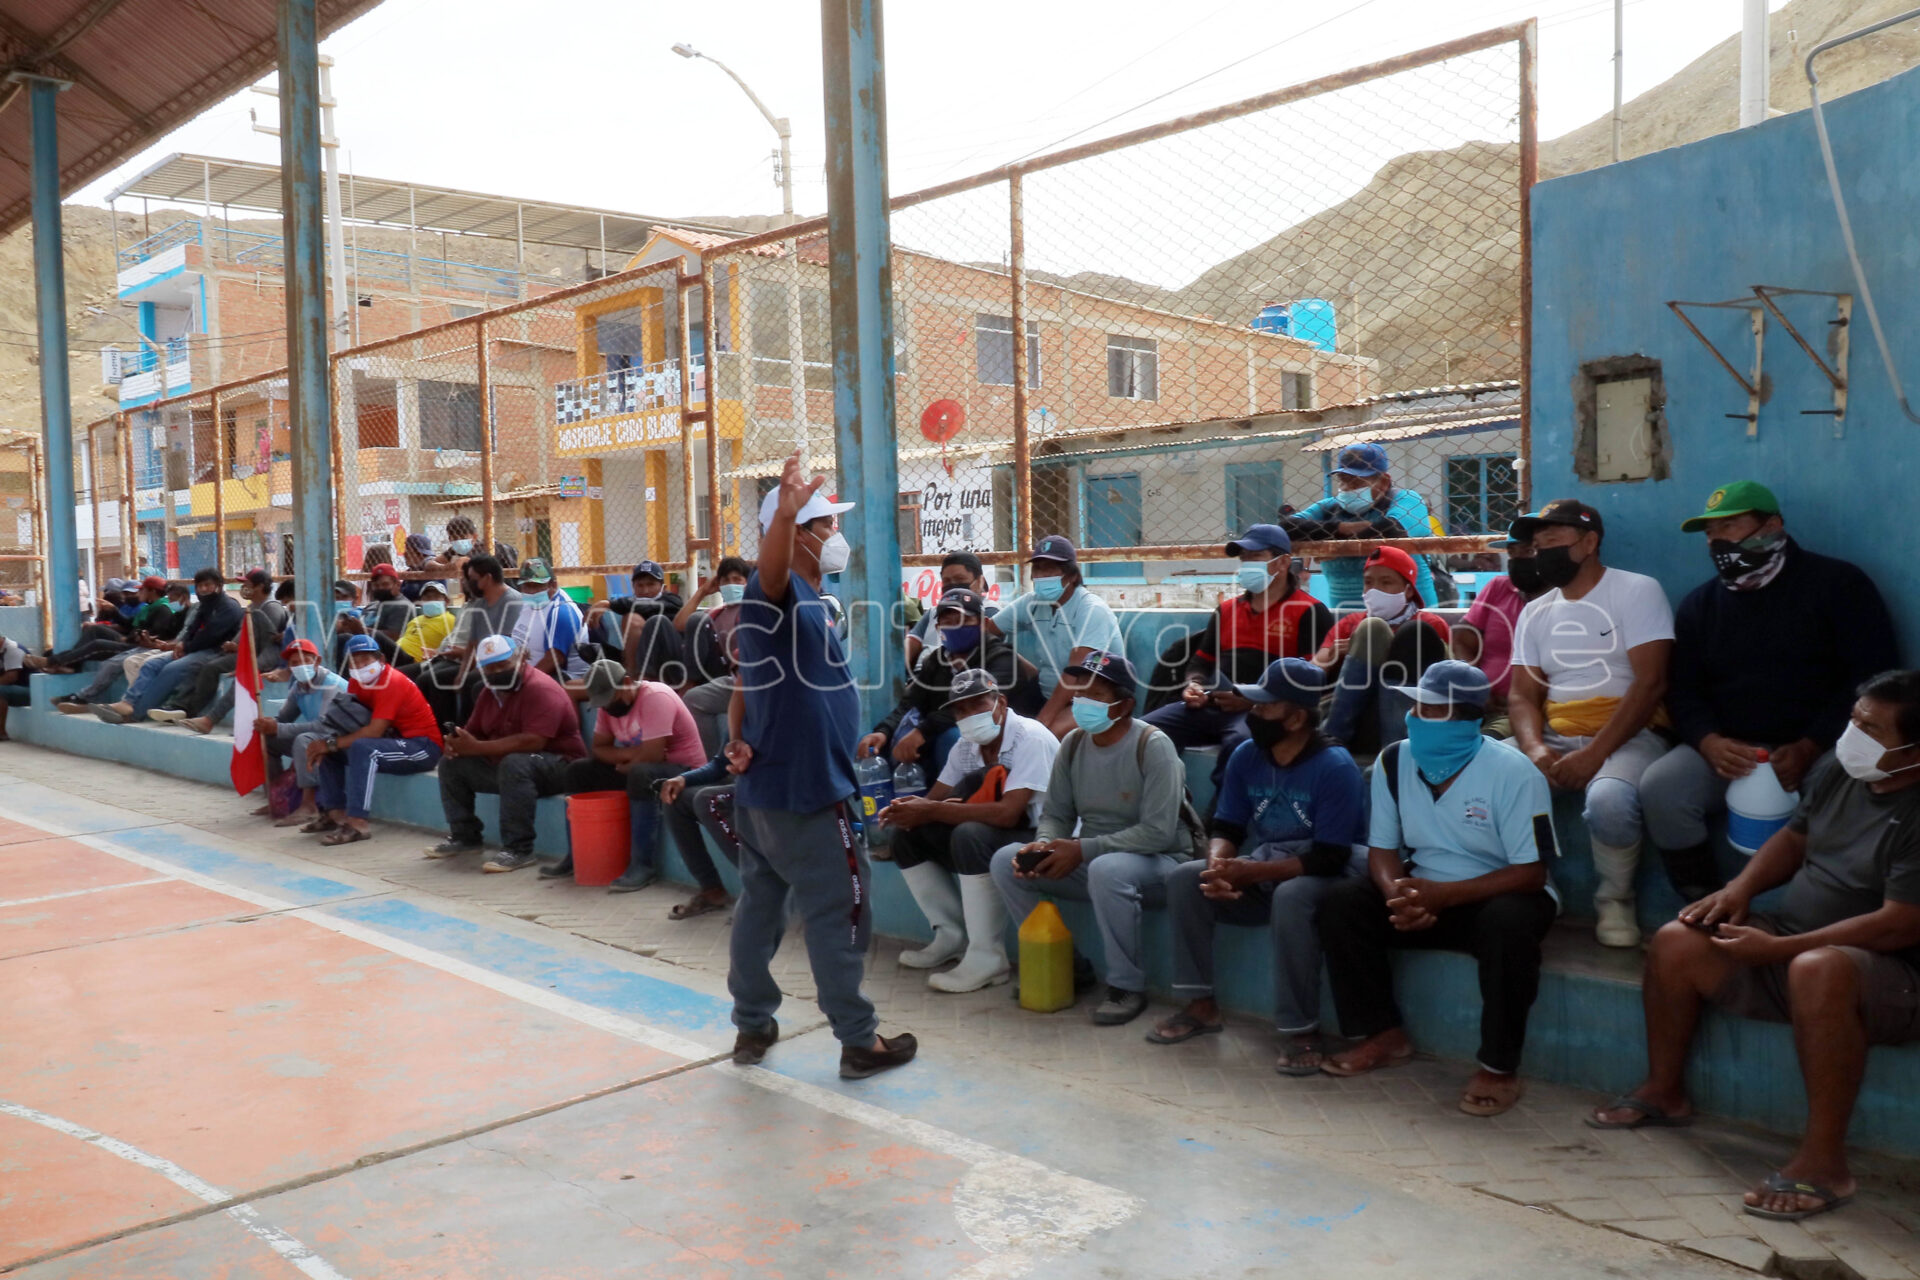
(1146, 344)
(1149, 343)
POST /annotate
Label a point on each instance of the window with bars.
(1296, 391)
(993, 351)
(1483, 493)
(1133, 368)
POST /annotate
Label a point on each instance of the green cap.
(535, 570)
(1742, 497)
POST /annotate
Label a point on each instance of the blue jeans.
(159, 679)
(1119, 885)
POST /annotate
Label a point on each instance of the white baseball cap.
(818, 505)
(494, 649)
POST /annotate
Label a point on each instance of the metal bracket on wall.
(1749, 383)
(1835, 368)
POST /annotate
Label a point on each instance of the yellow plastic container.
(1046, 961)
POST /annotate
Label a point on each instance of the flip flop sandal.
(1486, 1104)
(346, 835)
(1181, 1027)
(697, 907)
(1334, 1067)
(294, 820)
(1650, 1117)
(1781, 1184)
(319, 824)
(1289, 1063)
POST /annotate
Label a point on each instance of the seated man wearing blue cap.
(1460, 833)
(1120, 782)
(399, 736)
(1053, 626)
(1272, 617)
(1296, 803)
(1365, 504)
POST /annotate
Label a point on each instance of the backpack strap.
(1390, 761)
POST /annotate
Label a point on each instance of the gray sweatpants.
(1288, 908)
(1678, 793)
(818, 858)
(1119, 885)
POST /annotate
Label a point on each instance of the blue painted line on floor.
(646, 999)
(173, 844)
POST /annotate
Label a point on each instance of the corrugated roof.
(244, 184)
(138, 68)
(1449, 426)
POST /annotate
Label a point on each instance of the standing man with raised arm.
(794, 756)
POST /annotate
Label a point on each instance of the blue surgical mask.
(1355, 500)
(1254, 577)
(731, 592)
(1049, 590)
(979, 728)
(433, 608)
(538, 600)
(341, 608)
(304, 673)
(960, 639)
(1092, 715)
(1442, 748)
(460, 546)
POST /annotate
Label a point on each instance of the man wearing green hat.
(1767, 655)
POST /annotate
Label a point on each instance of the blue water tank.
(1310, 320)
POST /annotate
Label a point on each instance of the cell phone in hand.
(1711, 930)
(1028, 860)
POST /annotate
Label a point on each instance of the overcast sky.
(583, 101)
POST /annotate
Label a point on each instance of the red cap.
(1760, 756)
(1397, 560)
(384, 571)
(153, 584)
(301, 646)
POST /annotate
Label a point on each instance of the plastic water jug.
(1046, 961)
(1757, 806)
(875, 780)
(909, 780)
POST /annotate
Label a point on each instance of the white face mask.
(978, 729)
(1386, 604)
(834, 554)
(304, 673)
(1859, 754)
(370, 673)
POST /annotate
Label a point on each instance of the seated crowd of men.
(1055, 780)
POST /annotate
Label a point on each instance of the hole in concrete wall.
(1620, 421)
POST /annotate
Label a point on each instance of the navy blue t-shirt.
(802, 710)
(1321, 798)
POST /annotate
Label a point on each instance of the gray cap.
(604, 679)
(970, 683)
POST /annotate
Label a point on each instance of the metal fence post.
(129, 509)
(302, 196)
(1529, 174)
(37, 462)
(56, 395)
(690, 539)
(860, 260)
(484, 376)
(1017, 306)
(344, 502)
(222, 468)
(716, 534)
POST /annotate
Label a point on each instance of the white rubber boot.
(1613, 898)
(985, 964)
(933, 890)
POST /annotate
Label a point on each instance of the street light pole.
(781, 126)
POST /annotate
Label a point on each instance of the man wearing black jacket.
(963, 643)
(650, 646)
(1766, 656)
(215, 621)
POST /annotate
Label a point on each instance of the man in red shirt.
(399, 737)
(1272, 617)
(523, 733)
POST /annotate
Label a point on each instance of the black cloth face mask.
(1556, 565)
(1524, 573)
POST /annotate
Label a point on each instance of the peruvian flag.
(249, 767)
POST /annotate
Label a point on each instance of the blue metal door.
(1114, 519)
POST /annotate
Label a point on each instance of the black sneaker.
(749, 1047)
(858, 1064)
(1119, 1008)
(631, 882)
(556, 870)
(453, 847)
(508, 860)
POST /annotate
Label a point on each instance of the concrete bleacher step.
(1586, 1028)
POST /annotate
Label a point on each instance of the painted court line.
(1015, 1208)
(309, 1263)
(81, 893)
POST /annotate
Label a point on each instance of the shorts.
(1889, 991)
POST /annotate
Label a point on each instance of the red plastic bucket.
(598, 824)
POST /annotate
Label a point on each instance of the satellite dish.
(942, 420)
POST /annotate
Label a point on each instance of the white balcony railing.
(622, 391)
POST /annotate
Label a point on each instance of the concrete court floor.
(215, 1062)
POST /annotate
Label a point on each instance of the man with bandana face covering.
(1766, 656)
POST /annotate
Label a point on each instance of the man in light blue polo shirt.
(1056, 625)
(1366, 503)
(1460, 831)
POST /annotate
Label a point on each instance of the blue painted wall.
(1704, 223)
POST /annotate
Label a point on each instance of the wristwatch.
(333, 743)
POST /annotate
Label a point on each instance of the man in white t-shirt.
(551, 627)
(1589, 672)
(989, 795)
